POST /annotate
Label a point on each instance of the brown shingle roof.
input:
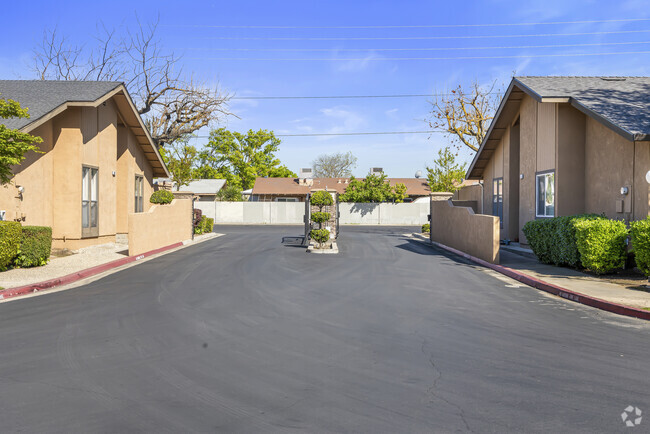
(296, 187)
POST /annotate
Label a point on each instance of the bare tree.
(334, 165)
(173, 104)
(465, 114)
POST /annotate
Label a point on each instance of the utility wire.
(596, 44)
(404, 38)
(525, 56)
(343, 96)
(432, 26)
(347, 134)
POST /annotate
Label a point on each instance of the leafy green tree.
(240, 158)
(13, 143)
(447, 174)
(281, 172)
(230, 193)
(374, 188)
(180, 159)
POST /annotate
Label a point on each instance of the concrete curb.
(88, 272)
(553, 289)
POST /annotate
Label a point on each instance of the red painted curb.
(554, 289)
(88, 272)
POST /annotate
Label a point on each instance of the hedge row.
(24, 246)
(554, 239)
(640, 232)
(589, 240)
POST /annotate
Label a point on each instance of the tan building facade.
(96, 165)
(563, 146)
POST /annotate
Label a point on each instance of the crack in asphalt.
(432, 389)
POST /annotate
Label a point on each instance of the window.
(286, 199)
(89, 202)
(497, 199)
(545, 194)
(139, 194)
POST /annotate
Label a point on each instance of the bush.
(553, 240)
(204, 225)
(35, 246)
(640, 232)
(9, 242)
(320, 235)
(426, 228)
(320, 217)
(601, 244)
(321, 198)
(161, 197)
(208, 224)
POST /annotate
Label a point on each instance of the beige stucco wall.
(609, 165)
(641, 193)
(570, 161)
(52, 179)
(527, 161)
(160, 226)
(131, 161)
(458, 227)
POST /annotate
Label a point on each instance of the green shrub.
(9, 242)
(208, 224)
(640, 232)
(35, 246)
(320, 235)
(601, 244)
(320, 217)
(426, 228)
(553, 240)
(161, 197)
(321, 198)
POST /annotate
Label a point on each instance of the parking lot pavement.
(249, 333)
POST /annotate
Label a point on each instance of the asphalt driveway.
(245, 333)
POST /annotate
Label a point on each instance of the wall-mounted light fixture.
(521, 176)
(625, 191)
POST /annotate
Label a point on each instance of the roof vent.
(613, 78)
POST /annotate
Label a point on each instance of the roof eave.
(502, 104)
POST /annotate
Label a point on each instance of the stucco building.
(97, 163)
(564, 146)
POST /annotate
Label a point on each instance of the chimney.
(305, 172)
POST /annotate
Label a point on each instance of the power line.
(432, 26)
(342, 96)
(525, 56)
(596, 44)
(405, 38)
(347, 134)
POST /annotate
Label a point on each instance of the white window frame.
(286, 199)
(544, 175)
(89, 201)
(139, 193)
(497, 199)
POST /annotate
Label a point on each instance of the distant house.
(296, 189)
(206, 189)
(97, 165)
(566, 145)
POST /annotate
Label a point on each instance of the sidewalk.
(84, 259)
(576, 281)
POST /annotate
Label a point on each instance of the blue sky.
(353, 66)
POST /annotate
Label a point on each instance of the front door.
(89, 202)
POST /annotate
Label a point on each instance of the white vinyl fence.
(254, 213)
(384, 213)
(278, 213)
